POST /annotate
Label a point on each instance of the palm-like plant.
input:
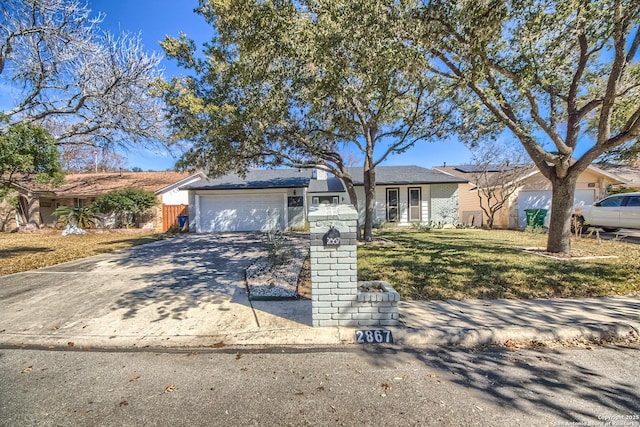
(80, 217)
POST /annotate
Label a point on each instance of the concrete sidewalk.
(425, 323)
(190, 292)
(479, 322)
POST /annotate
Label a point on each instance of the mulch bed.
(573, 255)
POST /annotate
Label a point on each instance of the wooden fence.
(170, 215)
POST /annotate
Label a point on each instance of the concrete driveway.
(185, 291)
(624, 234)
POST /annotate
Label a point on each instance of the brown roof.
(494, 175)
(96, 184)
(499, 175)
(630, 174)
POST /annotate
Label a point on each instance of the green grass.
(462, 264)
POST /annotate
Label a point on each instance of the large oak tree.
(295, 83)
(561, 75)
(83, 85)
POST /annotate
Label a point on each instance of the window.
(611, 202)
(415, 198)
(393, 203)
(295, 201)
(82, 203)
(633, 201)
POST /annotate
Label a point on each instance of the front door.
(415, 197)
(392, 204)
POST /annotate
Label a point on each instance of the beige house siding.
(472, 213)
(468, 203)
(7, 216)
(587, 180)
(507, 217)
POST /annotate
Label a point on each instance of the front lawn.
(27, 251)
(461, 264)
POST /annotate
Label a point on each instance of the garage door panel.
(584, 197)
(542, 200)
(532, 200)
(241, 213)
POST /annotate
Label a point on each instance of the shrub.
(277, 246)
(126, 203)
(80, 217)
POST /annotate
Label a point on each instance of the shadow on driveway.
(188, 286)
(190, 271)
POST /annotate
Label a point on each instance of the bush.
(624, 190)
(421, 227)
(277, 246)
(126, 203)
(535, 229)
(79, 217)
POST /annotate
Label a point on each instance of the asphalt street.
(348, 386)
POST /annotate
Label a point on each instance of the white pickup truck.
(611, 213)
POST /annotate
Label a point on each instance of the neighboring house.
(267, 199)
(533, 192)
(630, 174)
(36, 201)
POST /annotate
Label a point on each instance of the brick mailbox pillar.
(336, 299)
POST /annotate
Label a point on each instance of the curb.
(331, 337)
(463, 337)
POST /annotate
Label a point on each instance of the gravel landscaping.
(269, 281)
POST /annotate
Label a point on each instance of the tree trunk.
(369, 198)
(490, 220)
(562, 193)
(486, 211)
(353, 199)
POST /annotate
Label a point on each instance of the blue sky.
(154, 19)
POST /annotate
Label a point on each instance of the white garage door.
(542, 200)
(256, 212)
(584, 197)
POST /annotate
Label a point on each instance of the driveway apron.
(175, 290)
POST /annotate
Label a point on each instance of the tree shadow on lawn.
(10, 253)
(452, 267)
(535, 382)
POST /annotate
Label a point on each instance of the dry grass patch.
(27, 251)
(460, 264)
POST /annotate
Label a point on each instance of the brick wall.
(334, 275)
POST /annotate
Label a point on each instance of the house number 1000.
(374, 336)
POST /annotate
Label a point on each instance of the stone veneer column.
(334, 274)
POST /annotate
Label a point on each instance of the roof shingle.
(255, 179)
(390, 175)
(97, 184)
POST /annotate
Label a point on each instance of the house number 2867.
(374, 336)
